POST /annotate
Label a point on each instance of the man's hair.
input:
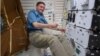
(40, 3)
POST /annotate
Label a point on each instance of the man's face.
(41, 8)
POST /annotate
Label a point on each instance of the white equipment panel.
(80, 51)
(84, 19)
(83, 27)
(82, 36)
(82, 4)
(70, 32)
(79, 35)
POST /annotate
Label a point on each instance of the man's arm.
(50, 26)
(42, 25)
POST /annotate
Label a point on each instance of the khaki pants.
(59, 45)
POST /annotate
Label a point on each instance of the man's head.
(40, 6)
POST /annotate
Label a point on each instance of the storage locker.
(14, 37)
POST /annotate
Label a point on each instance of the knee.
(52, 39)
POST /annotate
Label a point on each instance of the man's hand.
(61, 29)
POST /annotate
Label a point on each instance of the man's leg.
(66, 44)
(41, 40)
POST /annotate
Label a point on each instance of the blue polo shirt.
(35, 16)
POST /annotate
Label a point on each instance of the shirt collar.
(38, 13)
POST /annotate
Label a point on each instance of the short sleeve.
(31, 17)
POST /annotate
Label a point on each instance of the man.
(36, 22)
